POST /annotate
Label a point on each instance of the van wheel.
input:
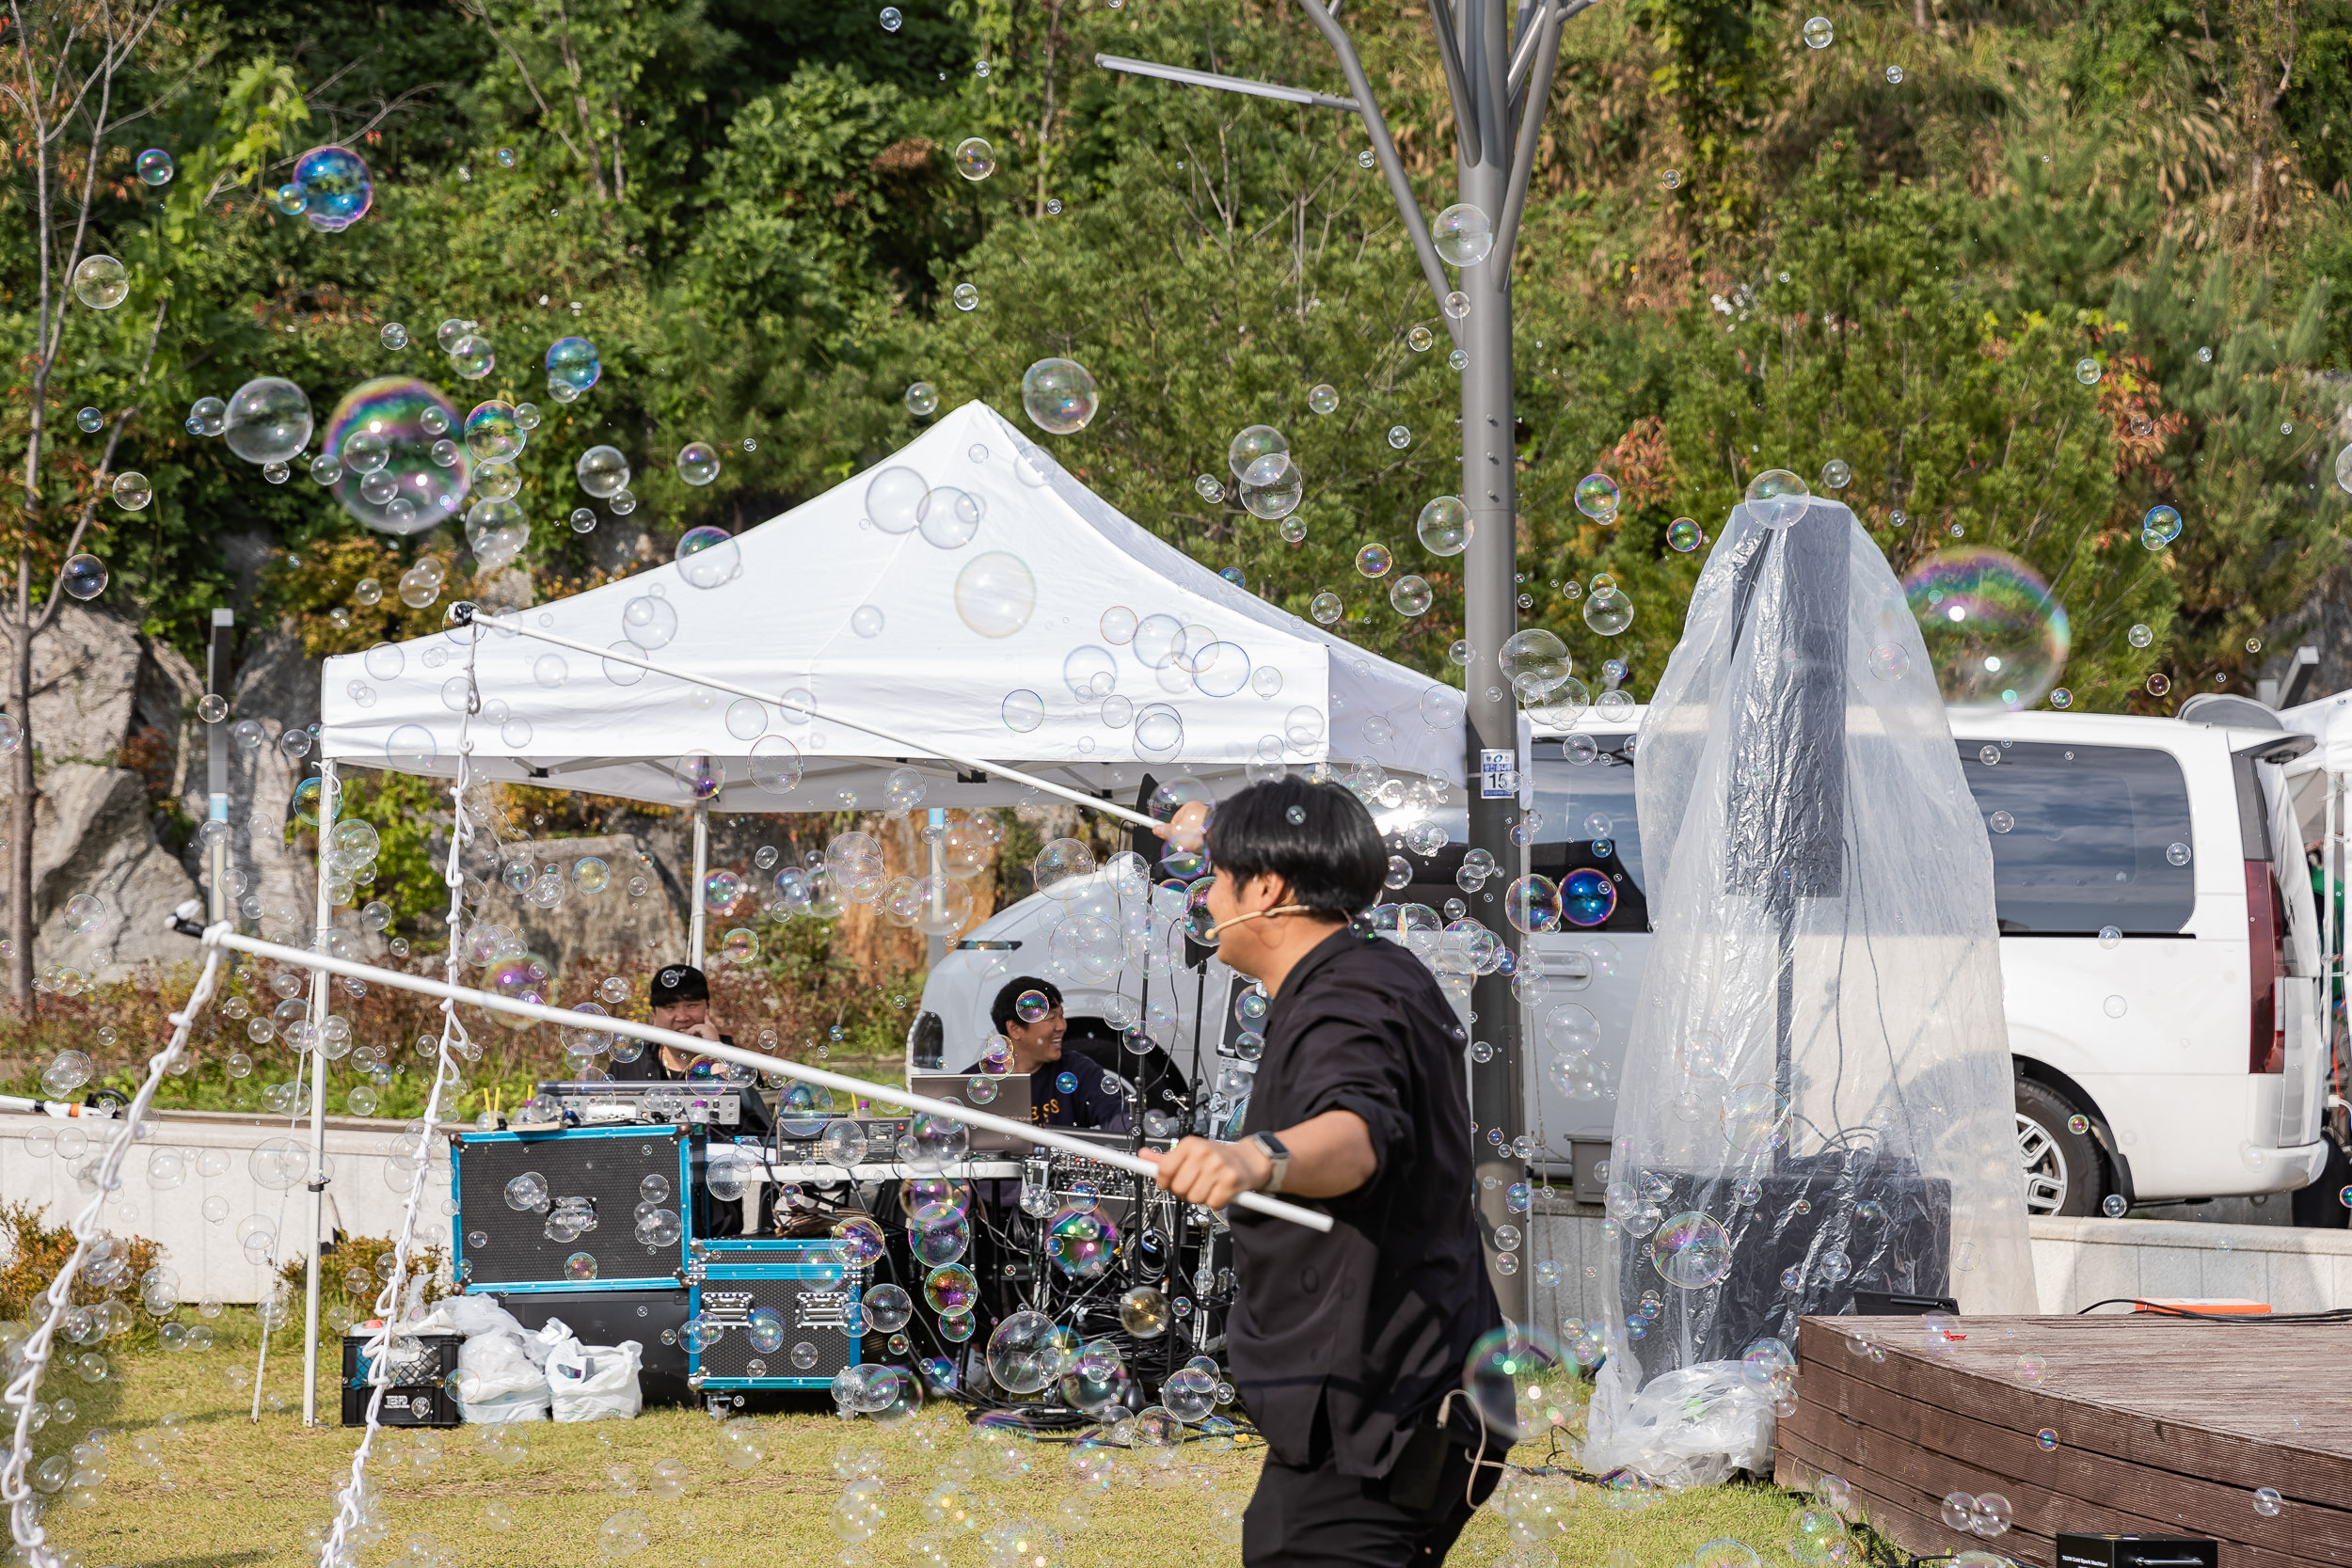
(2065, 1173)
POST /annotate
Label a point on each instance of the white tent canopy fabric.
(967, 593)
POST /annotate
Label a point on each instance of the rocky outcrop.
(111, 716)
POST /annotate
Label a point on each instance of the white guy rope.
(223, 936)
(914, 747)
(335, 1553)
(24, 1503)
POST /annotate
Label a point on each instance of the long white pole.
(328, 799)
(224, 935)
(912, 746)
(695, 929)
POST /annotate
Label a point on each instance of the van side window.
(1584, 793)
(2081, 836)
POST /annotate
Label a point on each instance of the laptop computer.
(1003, 1094)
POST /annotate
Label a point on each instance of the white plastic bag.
(497, 1380)
(594, 1383)
(1690, 1427)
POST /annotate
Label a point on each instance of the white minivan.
(2160, 953)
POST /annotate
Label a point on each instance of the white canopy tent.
(964, 595)
(967, 597)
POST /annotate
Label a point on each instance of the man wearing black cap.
(1035, 1046)
(681, 1003)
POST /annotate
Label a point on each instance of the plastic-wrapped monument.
(1817, 1100)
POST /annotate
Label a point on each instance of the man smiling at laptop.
(1028, 1013)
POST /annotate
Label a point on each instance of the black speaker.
(655, 1319)
(804, 1285)
(1813, 1234)
(504, 1249)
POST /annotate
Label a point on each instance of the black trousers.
(1319, 1518)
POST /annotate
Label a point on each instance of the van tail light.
(2265, 958)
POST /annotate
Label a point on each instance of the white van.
(2160, 951)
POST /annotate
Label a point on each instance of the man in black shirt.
(1345, 1345)
(1062, 1092)
(680, 995)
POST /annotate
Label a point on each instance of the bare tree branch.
(481, 12)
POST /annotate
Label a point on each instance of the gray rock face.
(584, 926)
(111, 715)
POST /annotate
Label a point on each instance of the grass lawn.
(212, 1487)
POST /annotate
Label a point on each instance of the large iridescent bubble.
(336, 188)
(1996, 637)
(411, 492)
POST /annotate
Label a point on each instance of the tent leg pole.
(328, 800)
(695, 892)
(936, 869)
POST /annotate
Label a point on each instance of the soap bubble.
(1143, 1312)
(1998, 638)
(1608, 611)
(155, 167)
(922, 399)
(492, 434)
(84, 913)
(336, 188)
(1819, 34)
(383, 432)
(975, 158)
(697, 463)
(1445, 526)
(1536, 663)
(1058, 395)
(131, 491)
(1691, 1251)
(1685, 535)
(1521, 1382)
(268, 420)
(66, 1072)
(100, 282)
(572, 363)
(1777, 498)
(708, 557)
(966, 296)
(1596, 498)
(1464, 234)
(1323, 398)
(2163, 525)
(1374, 561)
(602, 472)
(996, 594)
(83, 575)
(1413, 596)
(1250, 452)
(2087, 372)
(1025, 1352)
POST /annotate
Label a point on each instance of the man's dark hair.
(677, 983)
(1001, 1011)
(1317, 837)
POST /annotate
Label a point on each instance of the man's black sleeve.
(1355, 1062)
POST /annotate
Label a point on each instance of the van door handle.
(1573, 971)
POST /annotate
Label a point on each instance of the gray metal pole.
(321, 1003)
(1490, 614)
(216, 656)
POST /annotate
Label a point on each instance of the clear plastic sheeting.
(1816, 1096)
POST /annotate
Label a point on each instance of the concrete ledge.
(2079, 1262)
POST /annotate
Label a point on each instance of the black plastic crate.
(419, 1395)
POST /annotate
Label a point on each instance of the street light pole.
(1499, 65)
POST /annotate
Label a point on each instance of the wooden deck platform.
(2162, 1426)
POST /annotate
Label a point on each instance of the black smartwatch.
(1271, 1147)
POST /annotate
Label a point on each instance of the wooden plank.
(2164, 1427)
(2066, 1487)
(2220, 1418)
(1910, 1515)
